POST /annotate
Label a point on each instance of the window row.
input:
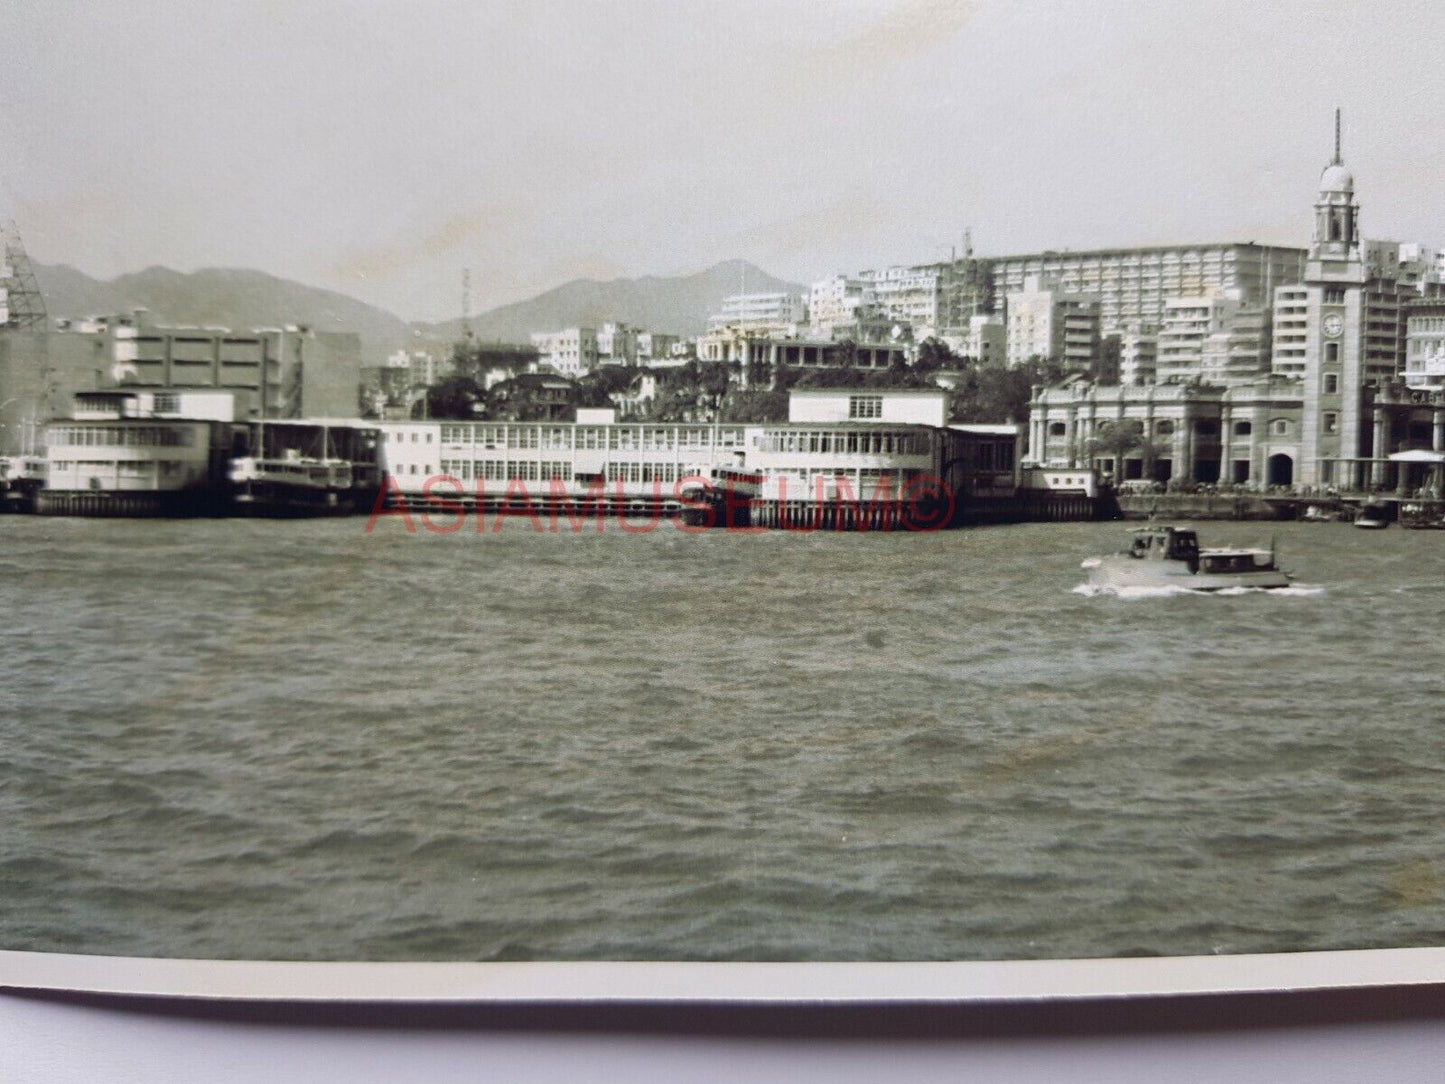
(851, 443)
(148, 436)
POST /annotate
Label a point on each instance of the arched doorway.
(1279, 470)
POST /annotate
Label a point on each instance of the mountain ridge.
(246, 297)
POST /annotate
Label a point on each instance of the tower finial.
(1337, 137)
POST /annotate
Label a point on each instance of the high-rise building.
(1132, 284)
(907, 295)
(838, 300)
(1138, 356)
(1048, 322)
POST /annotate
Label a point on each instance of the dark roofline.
(1145, 249)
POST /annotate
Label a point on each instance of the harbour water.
(297, 740)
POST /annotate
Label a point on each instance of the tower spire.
(1336, 160)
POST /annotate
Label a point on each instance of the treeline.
(704, 391)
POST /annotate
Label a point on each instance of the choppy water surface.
(297, 740)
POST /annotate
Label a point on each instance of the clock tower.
(1337, 332)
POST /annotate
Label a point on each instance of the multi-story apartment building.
(907, 295)
(1048, 322)
(1238, 353)
(570, 352)
(837, 300)
(655, 348)
(1420, 266)
(1132, 284)
(1138, 356)
(616, 344)
(986, 343)
(1187, 323)
(767, 310)
(1213, 338)
(1425, 344)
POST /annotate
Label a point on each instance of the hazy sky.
(378, 147)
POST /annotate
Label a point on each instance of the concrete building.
(760, 356)
(1132, 284)
(1239, 353)
(655, 348)
(1138, 356)
(1213, 338)
(907, 295)
(1046, 322)
(1425, 344)
(912, 406)
(1420, 266)
(986, 342)
(768, 310)
(616, 344)
(273, 372)
(570, 352)
(837, 300)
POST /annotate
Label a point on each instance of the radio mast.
(21, 305)
(466, 302)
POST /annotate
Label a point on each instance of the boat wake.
(1294, 590)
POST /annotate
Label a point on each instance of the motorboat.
(1423, 515)
(1373, 517)
(1160, 556)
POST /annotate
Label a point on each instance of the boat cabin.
(1166, 544)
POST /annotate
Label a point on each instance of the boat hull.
(1123, 572)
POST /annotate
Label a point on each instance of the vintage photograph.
(874, 480)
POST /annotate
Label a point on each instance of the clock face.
(1334, 325)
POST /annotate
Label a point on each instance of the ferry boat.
(1172, 557)
(21, 477)
(721, 496)
(291, 483)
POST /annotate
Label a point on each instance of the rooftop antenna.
(1337, 137)
(968, 242)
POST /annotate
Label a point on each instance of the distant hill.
(239, 298)
(677, 305)
(229, 297)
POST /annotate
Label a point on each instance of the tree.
(453, 397)
(474, 359)
(993, 396)
(1118, 440)
(756, 405)
(935, 354)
